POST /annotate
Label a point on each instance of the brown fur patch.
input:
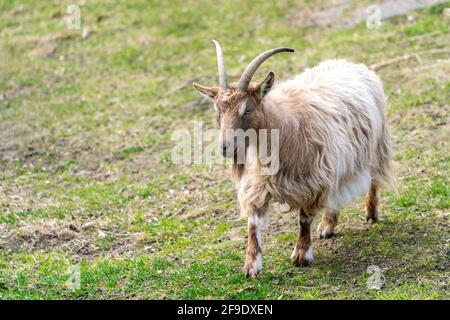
(253, 249)
(329, 222)
(372, 203)
(304, 240)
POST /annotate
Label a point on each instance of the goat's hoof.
(302, 257)
(250, 271)
(325, 231)
(253, 266)
(372, 215)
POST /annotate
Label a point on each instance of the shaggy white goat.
(334, 145)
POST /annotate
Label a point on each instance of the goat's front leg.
(302, 255)
(253, 262)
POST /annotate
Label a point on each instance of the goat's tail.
(385, 174)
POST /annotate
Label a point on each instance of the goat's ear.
(266, 84)
(210, 92)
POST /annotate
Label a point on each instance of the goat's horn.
(223, 80)
(247, 76)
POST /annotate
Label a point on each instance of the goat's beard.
(240, 154)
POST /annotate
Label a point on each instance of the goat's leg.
(302, 255)
(253, 262)
(329, 221)
(373, 202)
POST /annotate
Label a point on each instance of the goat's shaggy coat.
(334, 140)
(334, 146)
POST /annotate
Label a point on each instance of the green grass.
(87, 179)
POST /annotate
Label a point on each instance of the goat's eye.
(246, 112)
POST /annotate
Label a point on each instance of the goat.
(334, 145)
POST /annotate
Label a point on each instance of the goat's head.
(239, 106)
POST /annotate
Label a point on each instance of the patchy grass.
(87, 181)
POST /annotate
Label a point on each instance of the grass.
(87, 181)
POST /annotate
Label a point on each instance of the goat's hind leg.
(373, 202)
(302, 255)
(329, 221)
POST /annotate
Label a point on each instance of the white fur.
(257, 265)
(308, 255)
(348, 192)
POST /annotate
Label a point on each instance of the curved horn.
(247, 76)
(223, 80)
